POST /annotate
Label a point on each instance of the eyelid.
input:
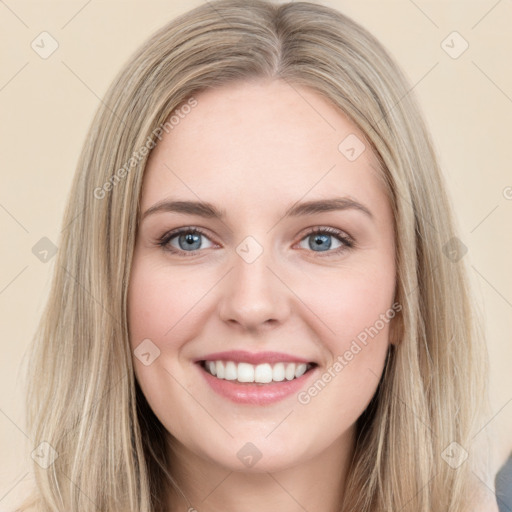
(340, 233)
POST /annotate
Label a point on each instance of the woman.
(254, 371)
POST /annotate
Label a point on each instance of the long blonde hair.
(82, 397)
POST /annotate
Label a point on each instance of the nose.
(254, 296)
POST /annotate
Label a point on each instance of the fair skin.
(254, 150)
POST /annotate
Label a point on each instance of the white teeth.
(245, 372)
(261, 373)
(219, 367)
(290, 371)
(230, 372)
(301, 370)
(278, 372)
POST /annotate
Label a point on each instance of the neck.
(316, 484)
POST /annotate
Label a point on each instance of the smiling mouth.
(264, 373)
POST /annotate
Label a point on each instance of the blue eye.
(188, 241)
(321, 238)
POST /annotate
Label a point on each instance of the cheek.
(160, 304)
(356, 310)
(161, 308)
(350, 301)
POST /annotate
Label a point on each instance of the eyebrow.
(208, 210)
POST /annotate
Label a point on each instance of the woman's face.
(255, 294)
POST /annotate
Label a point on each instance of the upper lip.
(242, 356)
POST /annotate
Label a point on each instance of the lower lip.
(256, 394)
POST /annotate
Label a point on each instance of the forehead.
(261, 140)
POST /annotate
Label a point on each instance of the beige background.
(47, 105)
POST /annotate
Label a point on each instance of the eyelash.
(348, 241)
